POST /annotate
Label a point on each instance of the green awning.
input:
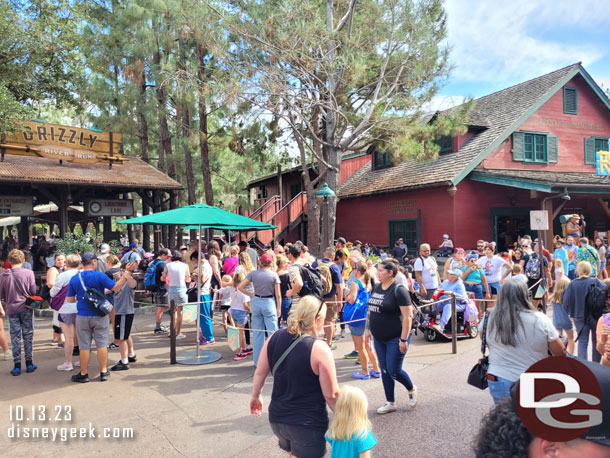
(206, 216)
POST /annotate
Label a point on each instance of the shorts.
(357, 331)
(177, 294)
(225, 307)
(239, 316)
(530, 285)
(88, 327)
(160, 298)
(67, 318)
(331, 308)
(494, 288)
(476, 289)
(561, 319)
(300, 441)
(122, 326)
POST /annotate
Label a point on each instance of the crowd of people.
(290, 309)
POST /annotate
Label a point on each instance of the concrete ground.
(202, 411)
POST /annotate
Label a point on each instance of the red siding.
(592, 120)
(352, 165)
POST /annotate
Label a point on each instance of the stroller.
(426, 318)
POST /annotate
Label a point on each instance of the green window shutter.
(518, 146)
(590, 151)
(551, 144)
(570, 100)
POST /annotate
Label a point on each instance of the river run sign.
(64, 143)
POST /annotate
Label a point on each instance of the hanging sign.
(16, 206)
(65, 143)
(106, 207)
(602, 162)
(539, 220)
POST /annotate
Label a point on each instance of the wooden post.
(171, 233)
(62, 205)
(24, 230)
(172, 332)
(279, 185)
(453, 325)
(107, 229)
(157, 233)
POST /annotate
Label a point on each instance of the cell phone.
(607, 319)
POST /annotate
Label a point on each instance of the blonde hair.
(350, 418)
(517, 269)
(238, 278)
(72, 260)
(226, 279)
(16, 257)
(281, 259)
(303, 316)
(583, 268)
(560, 287)
(246, 261)
(559, 263)
(424, 246)
(234, 250)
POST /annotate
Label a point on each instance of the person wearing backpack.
(294, 272)
(152, 282)
(534, 269)
(577, 300)
(333, 289)
(356, 307)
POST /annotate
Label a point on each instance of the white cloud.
(509, 42)
(443, 102)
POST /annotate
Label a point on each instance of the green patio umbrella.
(201, 215)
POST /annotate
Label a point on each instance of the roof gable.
(504, 111)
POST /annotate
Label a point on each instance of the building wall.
(592, 120)
(352, 165)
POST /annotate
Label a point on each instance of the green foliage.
(75, 244)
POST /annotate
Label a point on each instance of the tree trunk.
(203, 126)
(185, 131)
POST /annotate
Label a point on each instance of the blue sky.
(496, 44)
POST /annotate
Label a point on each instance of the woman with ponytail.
(304, 381)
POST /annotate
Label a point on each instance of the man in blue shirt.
(455, 285)
(331, 299)
(88, 323)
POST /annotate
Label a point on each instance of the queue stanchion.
(453, 325)
(172, 332)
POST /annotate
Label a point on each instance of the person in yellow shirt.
(340, 245)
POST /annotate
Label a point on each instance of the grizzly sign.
(70, 144)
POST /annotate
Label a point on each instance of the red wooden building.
(525, 147)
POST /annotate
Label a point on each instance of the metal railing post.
(172, 332)
(453, 325)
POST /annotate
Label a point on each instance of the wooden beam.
(604, 206)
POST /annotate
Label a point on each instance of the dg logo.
(559, 399)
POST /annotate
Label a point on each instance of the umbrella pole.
(198, 289)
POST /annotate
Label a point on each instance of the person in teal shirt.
(349, 433)
(561, 253)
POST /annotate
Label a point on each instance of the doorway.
(508, 225)
(408, 229)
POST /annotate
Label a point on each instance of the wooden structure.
(72, 166)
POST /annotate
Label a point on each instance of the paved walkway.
(202, 411)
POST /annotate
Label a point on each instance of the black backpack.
(312, 282)
(595, 303)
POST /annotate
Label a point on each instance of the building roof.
(542, 180)
(499, 114)
(133, 173)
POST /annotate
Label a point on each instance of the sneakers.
(239, 357)
(247, 351)
(181, 336)
(76, 351)
(352, 355)
(31, 368)
(439, 329)
(375, 374)
(342, 334)
(80, 378)
(8, 354)
(413, 397)
(204, 341)
(54, 343)
(77, 363)
(113, 346)
(132, 359)
(387, 408)
(65, 367)
(161, 330)
(104, 376)
(360, 376)
(16, 371)
(120, 366)
(332, 346)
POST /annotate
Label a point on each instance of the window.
(445, 143)
(570, 100)
(534, 147)
(295, 189)
(262, 192)
(382, 160)
(592, 146)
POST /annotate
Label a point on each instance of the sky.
(496, 44)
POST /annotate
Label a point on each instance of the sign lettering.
(402, 206)
(565, 123)
(105, 207)
(602, 163)
(16, 206)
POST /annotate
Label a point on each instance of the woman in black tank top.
(304, 381)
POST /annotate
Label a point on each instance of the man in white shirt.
(426, 271)
(492, 266)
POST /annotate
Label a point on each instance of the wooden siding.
(592, 120)
(352, 165)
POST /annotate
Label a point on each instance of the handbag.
(31, 302)
(95, 299)
(477, 376)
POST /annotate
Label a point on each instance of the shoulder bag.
(286, 352)
(478, 374)
(31, 302)
(95, 299)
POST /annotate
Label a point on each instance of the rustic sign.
(565, 123)
(397, 207)
(106, 207)
(70, 144)
(602, 162)
(539, 220)
(16, 206)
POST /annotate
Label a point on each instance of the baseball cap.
(148, 255)
(445, 236)
(266, 258)
(87, 257)
(341, 240)
(104, 248)
(357, 242)
(600, 434)
(132, 246)
(456, 272)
